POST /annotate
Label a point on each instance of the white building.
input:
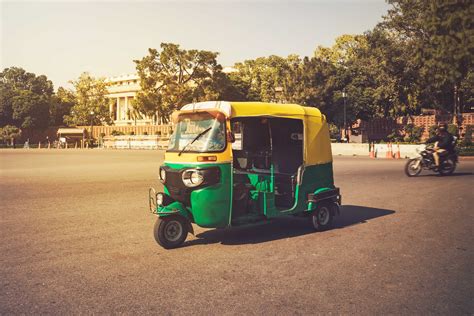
(122, 91)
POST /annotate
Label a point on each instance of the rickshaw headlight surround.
(192, 178)
(162, 175)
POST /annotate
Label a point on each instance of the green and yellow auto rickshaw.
(238, 163)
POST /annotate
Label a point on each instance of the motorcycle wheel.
(447, 167)
(413, 167)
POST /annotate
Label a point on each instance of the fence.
(160, 130)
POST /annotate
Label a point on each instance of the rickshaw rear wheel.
(322, 216)
(170, 231)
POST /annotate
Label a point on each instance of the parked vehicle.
(239, 163)
(447, 163)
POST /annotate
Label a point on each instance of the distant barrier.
(135, 142)
(379, 150)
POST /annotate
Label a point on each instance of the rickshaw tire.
(160, 231)
(330, 208)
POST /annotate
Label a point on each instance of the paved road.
(76, 238)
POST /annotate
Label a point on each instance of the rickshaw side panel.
(315, 178)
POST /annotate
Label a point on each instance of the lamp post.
(92, 125)
(345, 124)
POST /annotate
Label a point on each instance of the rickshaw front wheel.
(322, 216)
(170, 231)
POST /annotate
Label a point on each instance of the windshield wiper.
(195, 139)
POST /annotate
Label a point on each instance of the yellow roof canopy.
(243, 109)
(317, 144)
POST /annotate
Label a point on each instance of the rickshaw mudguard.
(211, 205)
(323, 194)
(175, 208)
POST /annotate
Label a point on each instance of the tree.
(61, 105)
(441, 35)
(91, 105)
(9, 133)
(24, 99)
(174, 77)
(344, 50)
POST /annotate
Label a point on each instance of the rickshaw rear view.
(238, 163)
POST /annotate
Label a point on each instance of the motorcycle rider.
(443, 142)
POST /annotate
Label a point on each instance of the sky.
(62, 39)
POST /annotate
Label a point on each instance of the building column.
(117, 110)
(127, 110)
(111, 109)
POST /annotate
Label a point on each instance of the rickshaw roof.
(246, 109)
(317, 144)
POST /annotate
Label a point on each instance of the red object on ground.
(398, 155)
(372, 150)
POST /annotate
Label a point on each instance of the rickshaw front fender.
(173, 209)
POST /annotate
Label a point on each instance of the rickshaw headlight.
(162, 175)
(192, 178)
(159, 199)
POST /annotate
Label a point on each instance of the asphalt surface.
(76, 237)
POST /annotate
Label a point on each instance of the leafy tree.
(61, 105)
(441, 35)
(90, 102)
(24, 99)
(344, 50)
(9, 133)
(174, 77)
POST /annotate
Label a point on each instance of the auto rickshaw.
(239, 163)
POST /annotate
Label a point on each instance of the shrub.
(395, 136)
(132, 133)
(453, 129)
(116, 133)
(413, 133)
(432, 130)
(467, 140)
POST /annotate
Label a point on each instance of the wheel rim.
(412, 167)
(323, 216)
(173, 230)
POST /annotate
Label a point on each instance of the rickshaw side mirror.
(230, 136)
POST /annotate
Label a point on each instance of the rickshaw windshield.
(198, 132)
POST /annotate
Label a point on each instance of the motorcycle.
(447, 163)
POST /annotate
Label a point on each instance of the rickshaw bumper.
(326, 194)
(163, 205)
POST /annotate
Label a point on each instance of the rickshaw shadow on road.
(354, 214)
(280, 228)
